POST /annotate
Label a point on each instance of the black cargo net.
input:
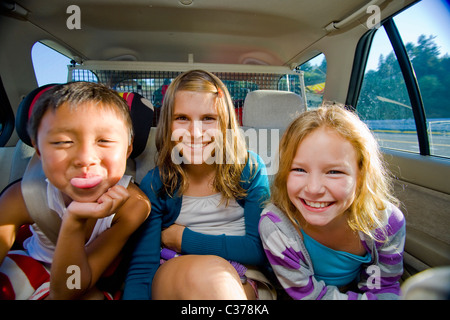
(152, 84)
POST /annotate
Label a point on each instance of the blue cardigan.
(246, 249)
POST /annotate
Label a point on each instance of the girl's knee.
(197, 277)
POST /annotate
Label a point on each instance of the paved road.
(440, 144)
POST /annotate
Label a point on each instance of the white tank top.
(40, 247)
(207, 215)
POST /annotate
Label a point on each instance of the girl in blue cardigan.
(207, 193)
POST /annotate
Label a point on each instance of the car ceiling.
(212, 31)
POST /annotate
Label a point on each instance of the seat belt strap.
(34, 191)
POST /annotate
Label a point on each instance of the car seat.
(141, 111)
(266, 115)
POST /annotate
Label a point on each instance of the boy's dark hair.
(76, 93)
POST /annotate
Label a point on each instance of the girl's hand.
(106, 205)
(172, 236)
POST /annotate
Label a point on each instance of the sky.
(49, 65)
(429, 17)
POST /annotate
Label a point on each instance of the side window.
(315, 72)
(430, 58)
(49, 65)
(384, 102)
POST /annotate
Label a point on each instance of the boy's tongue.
(84, 183)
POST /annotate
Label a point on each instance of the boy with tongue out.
(82, 134)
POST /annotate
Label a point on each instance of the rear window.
(152, 84)
(315, 73)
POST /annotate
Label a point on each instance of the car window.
(384, 102)
(315, 71)
(153, 84)
(430, 58)
(50, 66)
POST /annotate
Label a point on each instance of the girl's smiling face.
(195, 125)
(83, 150)
(323, 178)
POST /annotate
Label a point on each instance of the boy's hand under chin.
(106, 205)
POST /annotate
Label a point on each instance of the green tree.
(432, 76)
(384, 95)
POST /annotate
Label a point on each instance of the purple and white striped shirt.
(286, 252)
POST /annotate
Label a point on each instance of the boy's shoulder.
(138, 203)
(127, 182)
(134, 189)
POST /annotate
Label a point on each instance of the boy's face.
(84, 150)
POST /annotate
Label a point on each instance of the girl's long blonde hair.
(233, 148)
(374, 184)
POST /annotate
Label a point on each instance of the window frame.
(356, 79)
(412, 85)
(6, 116)
(298, 69)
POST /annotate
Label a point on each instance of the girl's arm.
(146, 252)
(144, 260)
(382, 277)
(131, 207)
(245, 249)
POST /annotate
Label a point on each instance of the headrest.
(271, 109)
(25, 109)
(141, 110)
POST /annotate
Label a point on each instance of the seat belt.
(34, 191)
